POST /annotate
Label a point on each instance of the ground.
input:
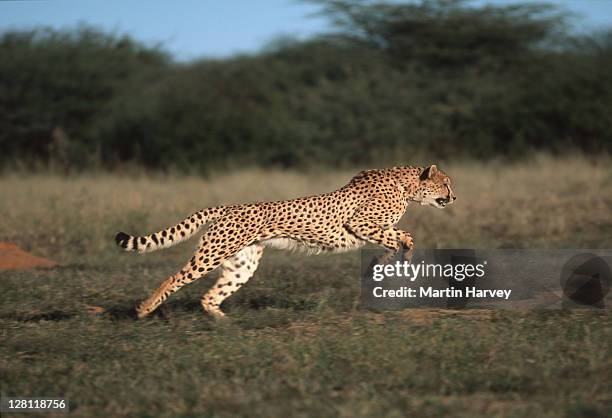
(297, 344)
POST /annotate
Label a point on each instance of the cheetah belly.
(337, 245)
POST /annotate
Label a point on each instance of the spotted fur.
(366, 210)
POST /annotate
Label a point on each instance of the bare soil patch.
(14, 258)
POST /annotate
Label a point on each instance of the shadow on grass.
(248, 313)
(122, 312)
(54, 315)
(280, 302)
(126, 311)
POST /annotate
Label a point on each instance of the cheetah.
(365, 210)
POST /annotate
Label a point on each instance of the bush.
(60, 81)
(396, 81)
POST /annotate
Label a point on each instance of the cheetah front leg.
(374, 222)
(392, 239)
(236, 272)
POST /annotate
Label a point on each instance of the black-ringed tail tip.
(122, 239)
(170, 236)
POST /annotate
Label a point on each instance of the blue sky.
(214, 28)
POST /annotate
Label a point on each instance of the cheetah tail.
(170, 236)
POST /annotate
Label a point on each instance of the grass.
(296, 344)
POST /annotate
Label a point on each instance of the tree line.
(437, 78)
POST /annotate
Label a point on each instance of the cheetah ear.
(428, 173)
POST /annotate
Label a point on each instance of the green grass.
(295, 346)
(296, 343)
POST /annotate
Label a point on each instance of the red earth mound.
(14, 258)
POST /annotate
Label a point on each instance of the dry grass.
(295, 344)
(560, 203)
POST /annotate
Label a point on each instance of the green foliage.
(397, 80)
(446, 33)
(54, 84)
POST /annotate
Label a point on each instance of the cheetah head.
(434, 188)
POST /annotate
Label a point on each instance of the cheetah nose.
(454, 198)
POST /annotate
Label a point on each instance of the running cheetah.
(366, 210)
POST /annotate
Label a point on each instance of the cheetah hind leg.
(212, 251)
(237, 270)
